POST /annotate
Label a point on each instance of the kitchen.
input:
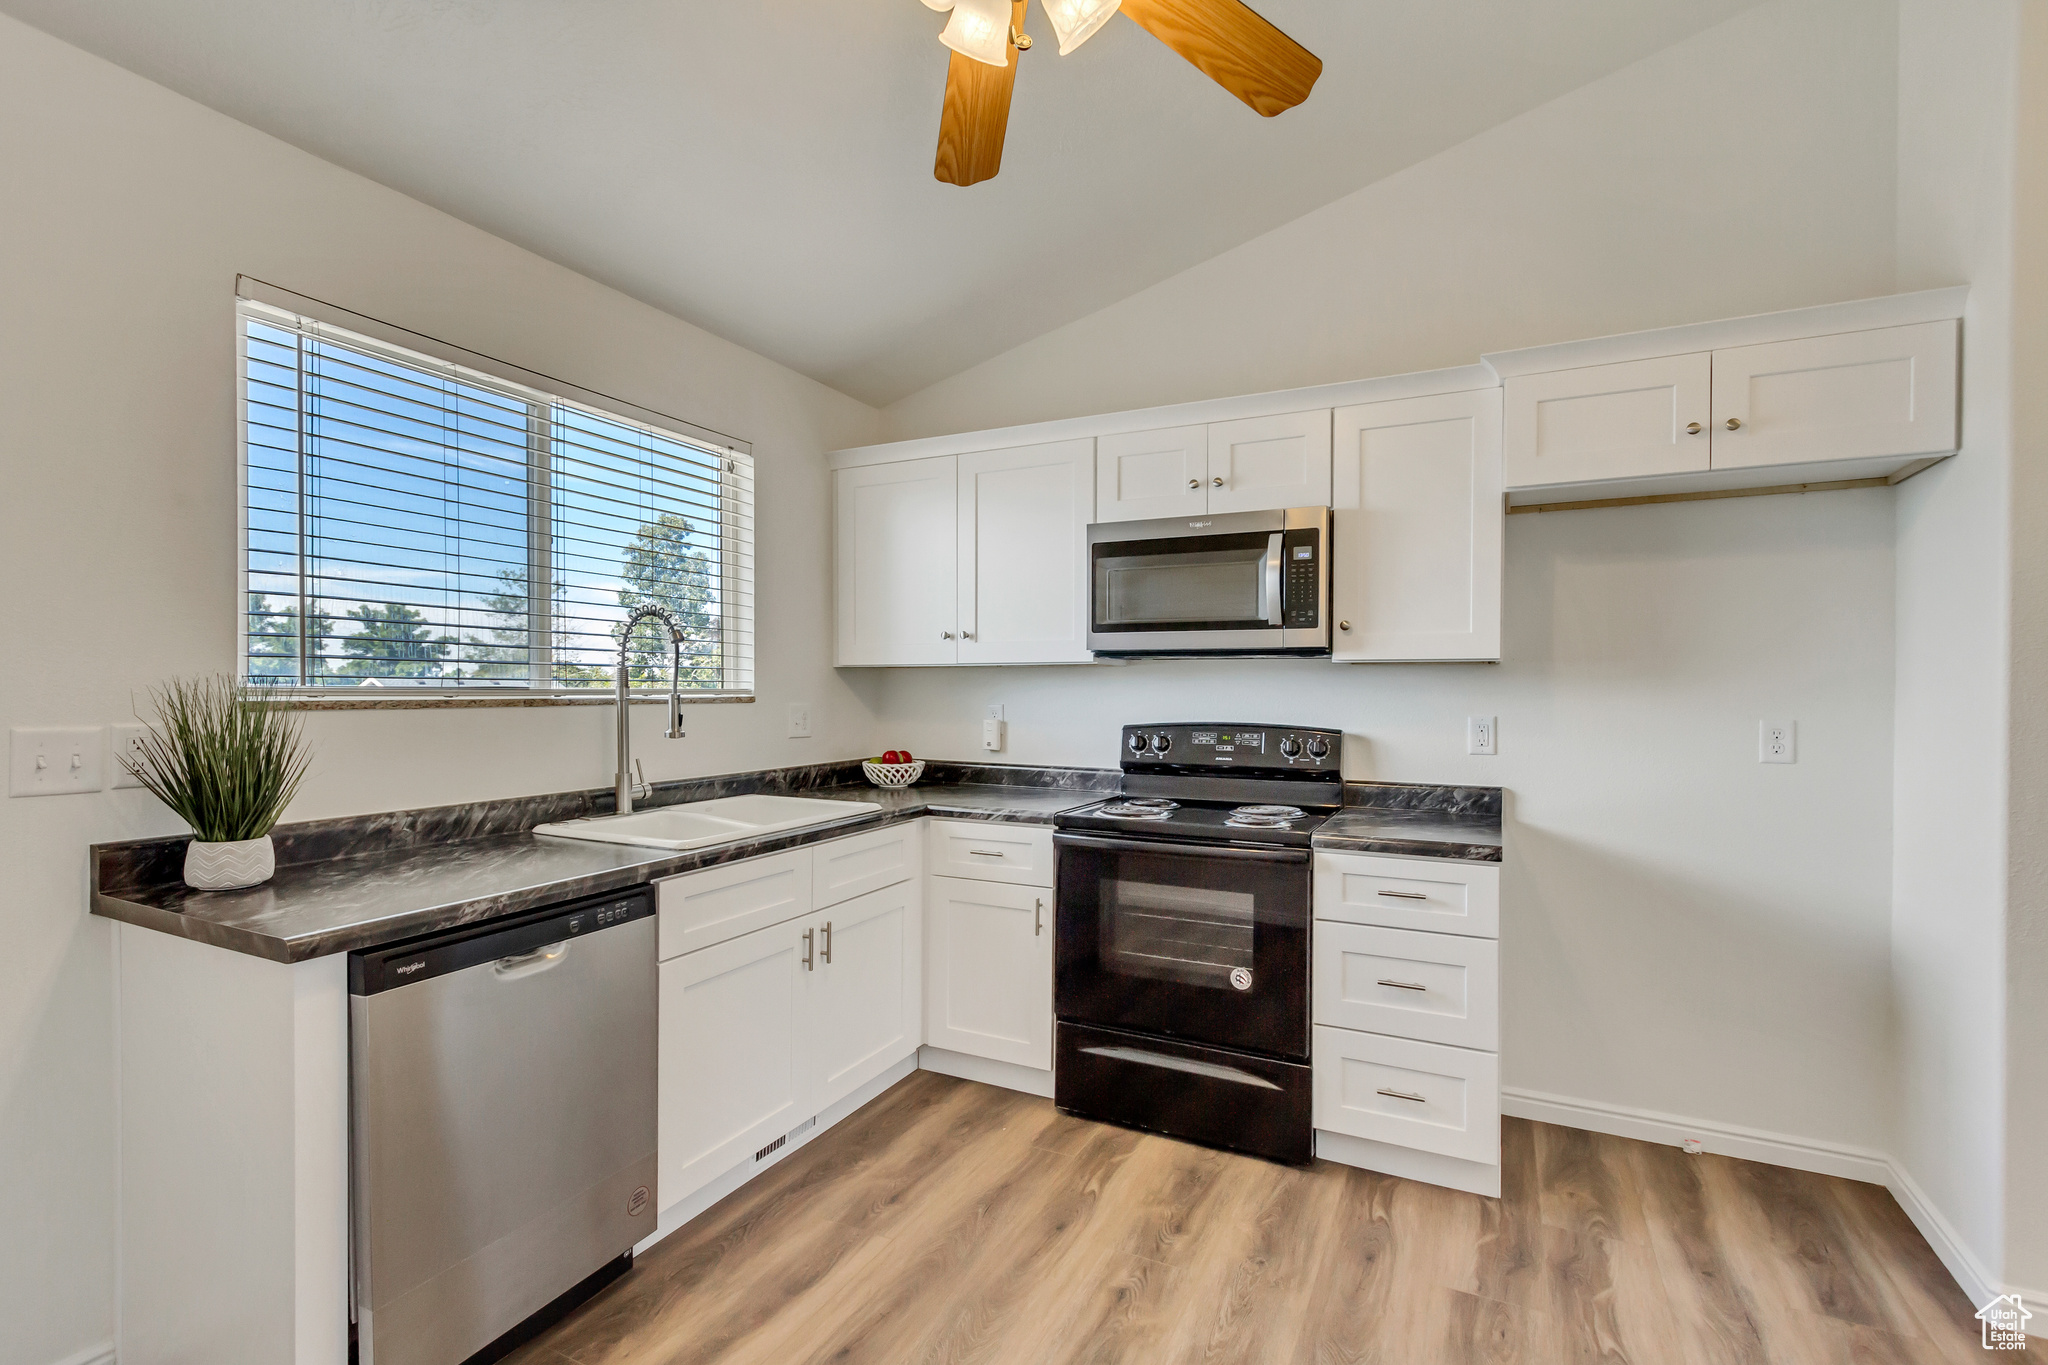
(1821, 966)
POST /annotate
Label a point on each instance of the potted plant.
(228, 760)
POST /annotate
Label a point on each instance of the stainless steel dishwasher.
(502, 1126)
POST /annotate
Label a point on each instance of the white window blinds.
(413, 523)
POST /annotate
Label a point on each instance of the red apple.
(892, 757)
(903, 756)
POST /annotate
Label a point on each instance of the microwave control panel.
(1301, 573)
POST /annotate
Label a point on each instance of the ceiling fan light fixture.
(980, 29)
(940, 5)
(1074, 21)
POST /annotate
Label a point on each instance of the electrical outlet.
(45, 762)
(1482, 735)
(1777, 741)
(800, 720)
(993, 711)
(127, 748)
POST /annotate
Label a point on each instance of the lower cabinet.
(858, 1003)
(988, 991)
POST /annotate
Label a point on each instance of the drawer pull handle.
(808, 941)
(825, 952)
(1037, 916)
(1403, 1095)
(984, 853)
(1405, 985)
(1405, 895)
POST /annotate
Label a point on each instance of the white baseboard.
(1781, 1149)
(1747, 1144)
(1008, 1075)
(703, 1197)
(102, 1354)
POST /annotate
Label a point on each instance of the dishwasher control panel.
(374, 970)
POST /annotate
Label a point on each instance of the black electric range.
(1182, 922)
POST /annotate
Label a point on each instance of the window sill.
(303, 702)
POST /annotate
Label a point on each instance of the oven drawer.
(1409, 893)
(1439, 988)
(1422, 1095)
(992, 851)
(1201, 1094)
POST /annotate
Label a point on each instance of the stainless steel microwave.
(1238, 583)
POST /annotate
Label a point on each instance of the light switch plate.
(50, 761)
(126, 748)
(800, 720)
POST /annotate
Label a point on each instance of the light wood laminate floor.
(954, 1222)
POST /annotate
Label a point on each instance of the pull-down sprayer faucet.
(675, 697)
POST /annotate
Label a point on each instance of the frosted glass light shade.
(1074, 21)
(980, 29)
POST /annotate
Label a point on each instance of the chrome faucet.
(675, 697)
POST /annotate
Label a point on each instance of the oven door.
(1246, 582)
(1204, 942)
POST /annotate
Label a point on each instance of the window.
(414, 523)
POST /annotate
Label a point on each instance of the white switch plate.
(126, 748)
(800, 720)
(1777, 741)
(1482, 735)
(45, 762)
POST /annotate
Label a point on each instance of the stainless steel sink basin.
(697, 824)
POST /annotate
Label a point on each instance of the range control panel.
(1212, 745)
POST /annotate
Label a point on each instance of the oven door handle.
(1232, 854)
(1272, 572)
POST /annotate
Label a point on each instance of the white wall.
(1690, 931)
(1954, 226)
(126, 216)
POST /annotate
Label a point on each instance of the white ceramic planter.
(225, 867)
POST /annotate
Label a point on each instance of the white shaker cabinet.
(1858, 395)
(1144, 474)
(1416, 527)
(1261, 464)
(896, 577)
(988, 980)
(1618, 421)
(1022, 524)
(862, 993)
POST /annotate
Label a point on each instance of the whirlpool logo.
(409, 968)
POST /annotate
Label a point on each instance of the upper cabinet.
(1416, 529)
(1880, 402)
(1257, 464)
(964, 559)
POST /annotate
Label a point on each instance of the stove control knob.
(1135, 743)
(1161, 743)
(1318, 747)
(1290, 747)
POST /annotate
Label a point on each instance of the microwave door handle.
(1272, 567)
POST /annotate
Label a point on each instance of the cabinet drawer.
(992, 851)
(699, 909)
(1409, 893)
(845, 868)
(1421, 1095)
(1439, 988)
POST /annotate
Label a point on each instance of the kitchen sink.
(697, 824)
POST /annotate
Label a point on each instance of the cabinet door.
(988, 987)
(1262, 463)
(1608, 421)
(732, 1077)
(1886, 392)
(895, 577)
(1023, 555)
(1141, 474)
(1416, 527)
(863, 999)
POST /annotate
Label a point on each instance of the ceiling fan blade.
(976, 114)
(1233, 47)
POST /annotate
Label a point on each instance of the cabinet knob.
(967, 635)
(1693, 428)
(1343, 625)
(945, 635)
(1734, 424)
(1218, 481)
(1194, 483)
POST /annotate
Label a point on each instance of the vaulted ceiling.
(763, 168)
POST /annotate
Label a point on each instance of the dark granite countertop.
(1409, 821)
(367, 881)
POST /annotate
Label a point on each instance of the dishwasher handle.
(522, 965)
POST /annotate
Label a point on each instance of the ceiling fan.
(1224, 39)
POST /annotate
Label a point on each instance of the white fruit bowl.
(892, 776)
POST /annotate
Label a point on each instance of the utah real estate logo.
(2005, 1323)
